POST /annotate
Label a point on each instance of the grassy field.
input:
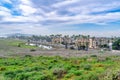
(59, 68)
(10, 46)
(14, 43)
(28, 67)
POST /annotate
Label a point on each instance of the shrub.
(46, 77)
(101, 59)
(28, 55)
(37, 68)
(22, 76)
(87, 67)
(2, 68)
(19, 45)
(32, 50)
(59, 72)
(93, 77)
(79, 78)
(18, 71)
(99, 65)
(93, 56)
(116, 76)
(9, 74)
(72, 48)
(108, 58)
(116, 45)
(53, 61)
(68, 75)
(78, 73)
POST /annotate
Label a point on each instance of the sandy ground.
(66, 53)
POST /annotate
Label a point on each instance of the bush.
(59, 72)
(37, 68)
(93, 56)
(28, 55)
(78, 73)
(19, 45)
(68, 75)
(22, 76)
(72, 48)
(101, 59)
(32, 50)
(116, 76)
(2, 68)
(46, 77)
(116, 45)
(10, 74)
(93, 77)
(87, 67)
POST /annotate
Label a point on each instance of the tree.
(116, 45)
(66, 42)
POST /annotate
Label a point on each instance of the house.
(83, 42)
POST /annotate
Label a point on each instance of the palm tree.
(100, 43)
(65, 42)
(87, 42)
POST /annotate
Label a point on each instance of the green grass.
(10, 47)
(22, 44)
(54, 68)
(5, 43)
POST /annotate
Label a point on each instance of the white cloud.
(96, 19)
(27, 10)
(26, 2)
(26, 7)
(24, 28)
(92, 33)
(67, 12)
(64, 3)
(30, 19)
(92, 7)
(4, 11)
(8, 1)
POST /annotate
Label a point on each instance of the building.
(83, 42)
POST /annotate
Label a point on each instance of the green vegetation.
(54, 68)
(5, 43)
(27, 67)
(22, 44)
(12, 46)
(116, 45)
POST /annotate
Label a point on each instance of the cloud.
(4, 11)
(27, 10)
(92, 7)
(26, 2)
(93, 33)
(64, 3)
(56, 13)
(6, 1)
(24, 28)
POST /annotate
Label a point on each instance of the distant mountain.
(17, 34)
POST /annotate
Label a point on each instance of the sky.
(67, 17)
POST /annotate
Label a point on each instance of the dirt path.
(67, 53)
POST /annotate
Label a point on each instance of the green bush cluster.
(55, 68)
